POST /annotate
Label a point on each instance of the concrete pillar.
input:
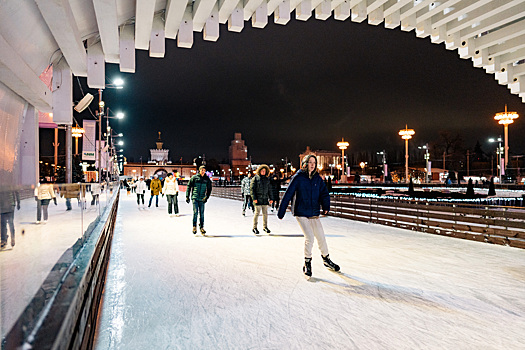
(62, 93)
(69, 150)
(29, 150)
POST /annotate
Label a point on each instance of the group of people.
(307, 193)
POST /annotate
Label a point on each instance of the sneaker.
(307, 268)
(44, 222)
(256, 231)
(267, 230)
(38, 222)
(203, 231)
(329, 263)
(194, 230)
(2, 245)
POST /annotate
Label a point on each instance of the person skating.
(310, 194)
(9, 199)
(140, 188)
(245, 191)
(261, 196)
(199, 188)
(43, 195)
(171, 189)
(156, 187)
(275, 186)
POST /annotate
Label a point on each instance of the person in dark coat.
(275, 185)
(9, 199)
(199, 188)
(309, 194)
(261, 196)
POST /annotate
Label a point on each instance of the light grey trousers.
(312, 228)
(258, 210)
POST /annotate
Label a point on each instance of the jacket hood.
(261, 167)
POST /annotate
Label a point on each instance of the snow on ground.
(169, 289)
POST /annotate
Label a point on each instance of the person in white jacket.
(171, 189)
(43, 195)
(140, 188)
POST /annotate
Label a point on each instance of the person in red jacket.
(309, 193)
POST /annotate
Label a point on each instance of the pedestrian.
(156, 188)
(69, 191)
(245, 191)
(275, 187)
(261, 196)
(171, 189)
(141, 190)
(9, 199)
(199, 188)
(43, 195)
(309, 193)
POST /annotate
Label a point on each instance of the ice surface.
(169, 289)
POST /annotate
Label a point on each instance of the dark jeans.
(247, 203)
(198, 206)
(275, 203)
(139, 197)
(94, 199)
(151, 198)
(42, 205)
(172, 202)
(7, 219)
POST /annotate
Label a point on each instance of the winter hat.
(304, 163)
(202, 167)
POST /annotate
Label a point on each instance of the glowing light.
(406, 134)
(77, 131)
(506, 118)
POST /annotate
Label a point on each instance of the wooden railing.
(484, 223)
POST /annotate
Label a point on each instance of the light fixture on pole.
(342, 146)
(77, 132)
(406, 134)
(427, 161)
(506, 118)
(499, 152)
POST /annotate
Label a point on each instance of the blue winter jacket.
(310, 195)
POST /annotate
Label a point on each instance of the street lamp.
(499, 152)
(406, 134)
(362, 165)
(427, 161)
(506, 118)
(77, 132)
(342, 146)
(385, 167)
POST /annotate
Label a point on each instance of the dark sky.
(306, 83)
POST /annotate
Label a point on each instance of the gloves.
(187, 200)
(205, 200)
(55, 200)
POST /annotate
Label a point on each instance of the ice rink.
(169, 289)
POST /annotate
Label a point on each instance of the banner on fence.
(88, 140)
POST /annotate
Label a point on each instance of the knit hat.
(202, 167)
(304, 163)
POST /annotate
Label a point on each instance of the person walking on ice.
(245, 191)
(156, 187)
(199, 188)
(140, 189)
(261, 196)
(171, 189)
(309, 193)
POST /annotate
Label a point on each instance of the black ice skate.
(203, 231)
(194, 230)
(329, 263)
(307, 268)
(267, 230)
(256, 231)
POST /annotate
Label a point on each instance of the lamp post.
(427, 158)
(342, 146)
(77, 132)
(506, 118)
(499, 152)
(406, 134)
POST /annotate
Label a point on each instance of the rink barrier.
(503, 225)
(69, 318)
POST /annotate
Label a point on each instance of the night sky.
(305, 84)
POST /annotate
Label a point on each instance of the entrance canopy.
(80, 35)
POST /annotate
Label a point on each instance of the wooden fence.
(484, 223)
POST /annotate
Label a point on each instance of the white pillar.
(29, 150)
(62, 93)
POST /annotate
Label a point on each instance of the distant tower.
(238, 155)
(159, 155)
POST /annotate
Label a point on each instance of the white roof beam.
(482, 13)
(281, 14)
(211, 27)
(463, 7)
(303, 11)
(260, 16)
(60, 20)
(507, 47)
(157, 42)
(144, 12)
(16, 74)
(236, 19)
(127, 48)
(174, 11)
(500, 35)
(107, 21)
(512, 57)
(324, 10)
(201, 12)
(96, 78)
(226, 7)
(249, 7)
(342, 11)
(185, 35)
(494, 22)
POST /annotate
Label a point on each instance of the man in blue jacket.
(310, 194)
